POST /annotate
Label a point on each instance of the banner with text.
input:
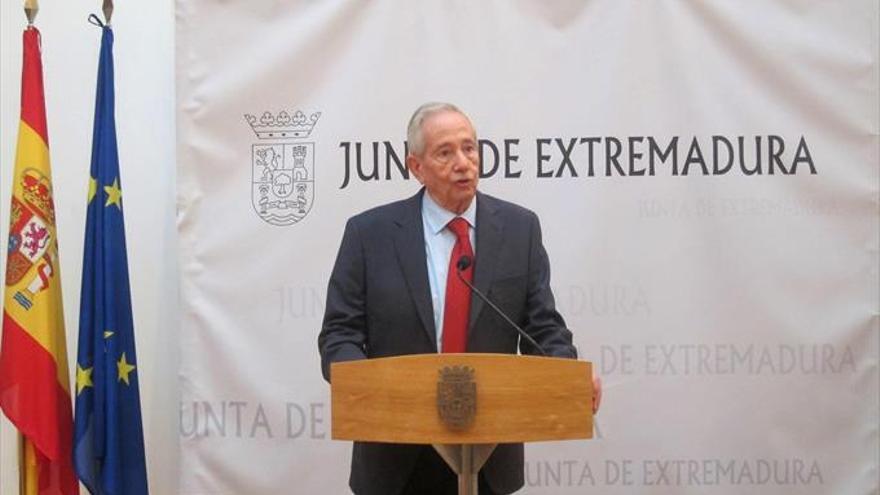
(706, 174)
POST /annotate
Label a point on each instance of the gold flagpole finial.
(30, 10)
(108, 11)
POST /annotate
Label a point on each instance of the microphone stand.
(463, 264)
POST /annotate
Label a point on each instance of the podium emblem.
(457, 397)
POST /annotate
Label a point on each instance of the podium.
(462, 404)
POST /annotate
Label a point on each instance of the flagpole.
(31, 7)
(107, 8)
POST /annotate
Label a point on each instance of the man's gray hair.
(414, 136)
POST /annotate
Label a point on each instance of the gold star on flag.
(93, 188)
(83, 378)
(114, 194)
(124, 368)
(107, 334)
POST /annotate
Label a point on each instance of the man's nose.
(462, 161)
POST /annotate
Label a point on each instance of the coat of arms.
(457, 397)
(30, 238)
(283, 167)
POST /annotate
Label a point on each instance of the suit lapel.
(488, 237)
(409, 242)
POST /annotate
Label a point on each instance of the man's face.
(449, 164)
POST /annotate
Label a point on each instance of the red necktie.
(458, 295)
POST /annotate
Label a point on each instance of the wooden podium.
(462, 404)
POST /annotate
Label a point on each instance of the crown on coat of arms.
(282, 125)
(37, 191)
(456, 374)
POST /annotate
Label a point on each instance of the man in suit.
(394, 291)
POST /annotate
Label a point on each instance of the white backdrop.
(733, 313)
(709, 303)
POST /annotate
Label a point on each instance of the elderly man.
(394, 290)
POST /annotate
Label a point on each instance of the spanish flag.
(34, 382)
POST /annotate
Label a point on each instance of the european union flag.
(108, 438)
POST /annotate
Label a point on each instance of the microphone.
(464, 263)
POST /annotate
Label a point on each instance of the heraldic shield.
(457, 397)
(283, 181)
(30, 238)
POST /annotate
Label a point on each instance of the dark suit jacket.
(379, 304)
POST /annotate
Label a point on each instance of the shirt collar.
(436, 217)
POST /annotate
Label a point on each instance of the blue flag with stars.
(108, 434)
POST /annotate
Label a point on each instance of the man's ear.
(415, 167)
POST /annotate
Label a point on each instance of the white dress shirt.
(439, 242)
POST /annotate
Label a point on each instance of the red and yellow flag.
(34, 382)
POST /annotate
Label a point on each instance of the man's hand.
(597, 393)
